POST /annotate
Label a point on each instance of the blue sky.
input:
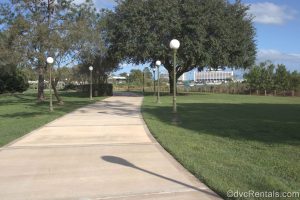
(277, 24)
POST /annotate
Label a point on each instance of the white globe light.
(50, 60)
(158, 63)
(91, 68)
(127, 74)
(174, 44)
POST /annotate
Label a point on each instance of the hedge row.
(98, 89)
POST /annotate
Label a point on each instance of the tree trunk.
(54, 84)
(293, 93)
(41, 85)
(257, 93)
(275, 92)
(265, 92)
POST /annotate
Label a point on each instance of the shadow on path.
(121, 161)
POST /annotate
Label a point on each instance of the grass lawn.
(232, 142)
(20, 113)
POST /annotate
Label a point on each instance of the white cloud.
(291, 60)
(270, 13)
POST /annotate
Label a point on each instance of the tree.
(30, 32)
(281, 76)
(136, 76)
(15, 81)
(294, 81)
(12, 79)
(123, 74)
(92, 45)
(147, 76)
(266, 76)
(8, 58)
(42, 28)
(253, 78)
(213, 33)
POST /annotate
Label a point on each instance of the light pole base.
(175, 119)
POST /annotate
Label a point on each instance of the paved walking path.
(101, 151)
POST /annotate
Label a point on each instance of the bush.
(13, 82)
(70, 86)
(98, 89)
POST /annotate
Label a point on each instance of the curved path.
(101, 151)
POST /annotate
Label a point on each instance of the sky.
(277, 24)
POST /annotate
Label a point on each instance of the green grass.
(20, 113)
(232, 142)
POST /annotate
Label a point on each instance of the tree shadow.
(268, 123)
(121, 161)
(16, 99)
(169, 94)
(22, 114)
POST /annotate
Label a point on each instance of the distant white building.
(183, 77)
(117, 79)
(213, 76)
(205, 77)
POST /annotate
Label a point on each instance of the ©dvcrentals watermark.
(262, 194)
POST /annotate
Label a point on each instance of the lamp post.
(154, 88)
(174, 45)
(127, 82)
(144, 81)
(158, 63)
(91, 82)
(50, 61)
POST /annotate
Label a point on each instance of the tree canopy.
(212, 33)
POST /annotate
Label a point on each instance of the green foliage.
(67, 31)
(92, 44)
(98, 89)
(294, 80)
(13, 82)
(123, 74)
(266, 76)
(281, 78)
(212, 33)
(136, 76)
(253, 77)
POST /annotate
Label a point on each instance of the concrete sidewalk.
(101, 151)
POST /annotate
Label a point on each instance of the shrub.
(98, 89)
(13, 82)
